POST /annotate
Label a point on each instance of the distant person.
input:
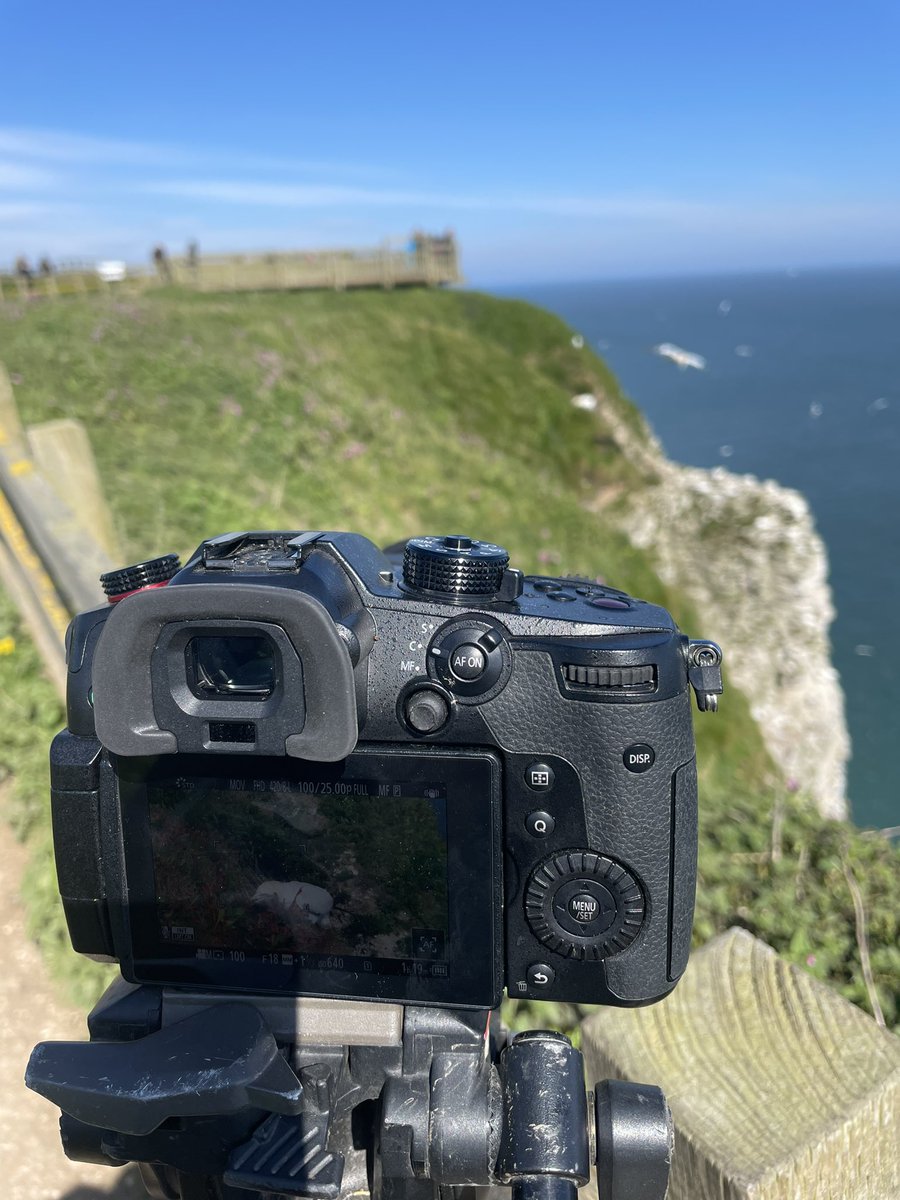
(161, 262)
(193, 255)
(23, 269)
(45, 266)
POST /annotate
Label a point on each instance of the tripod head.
(208, 1096)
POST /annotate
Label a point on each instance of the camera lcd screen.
(315, 869)
(316, 878)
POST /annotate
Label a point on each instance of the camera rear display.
(380, 872)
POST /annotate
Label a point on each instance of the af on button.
(468, 662)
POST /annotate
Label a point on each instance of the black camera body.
(299, 766)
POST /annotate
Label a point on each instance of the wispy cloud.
(290, 195)
(285, 195)
(661, 211)
(75, 149)
(23, 211)
(78, 195)
(50, 146)
(21, 176)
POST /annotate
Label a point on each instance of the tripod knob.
(635, 1140)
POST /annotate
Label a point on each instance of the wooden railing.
(426, 261)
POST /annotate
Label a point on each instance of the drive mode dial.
(454, 566)
(584, 905)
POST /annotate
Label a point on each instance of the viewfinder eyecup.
(302, 701)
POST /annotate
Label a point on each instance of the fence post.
(780, 1089)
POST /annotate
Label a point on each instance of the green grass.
(397, 413)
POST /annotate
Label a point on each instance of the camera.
(301, 766)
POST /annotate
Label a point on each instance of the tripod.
(219, 1098)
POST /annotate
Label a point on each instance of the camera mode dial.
(584, 906)
(454, 566)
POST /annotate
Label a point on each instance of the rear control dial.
(584, 905)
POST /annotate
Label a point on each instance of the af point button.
(539, 776)
(639, 758)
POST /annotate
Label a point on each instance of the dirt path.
(32, 1164)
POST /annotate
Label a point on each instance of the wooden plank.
(780, 1089)
(31, 590)
(11, 432)
(72, 557)
(63, 455)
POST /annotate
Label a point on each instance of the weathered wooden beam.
(50, 556)
(780, 1089)
(63, 455)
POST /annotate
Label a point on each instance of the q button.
(540, 824)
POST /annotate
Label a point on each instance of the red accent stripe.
(134, 592)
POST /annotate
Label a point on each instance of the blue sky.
(578, 140)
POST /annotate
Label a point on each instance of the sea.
(801, 384)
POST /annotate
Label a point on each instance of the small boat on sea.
(682, 358)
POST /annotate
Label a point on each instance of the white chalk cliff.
(747, 555)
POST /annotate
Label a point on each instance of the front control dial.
(454, 566)
(584, 905)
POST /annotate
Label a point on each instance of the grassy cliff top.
(391, 413)
(394, 414)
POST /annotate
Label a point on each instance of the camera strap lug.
(705, 674)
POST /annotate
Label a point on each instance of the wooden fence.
(779, 1088)
(426, 261)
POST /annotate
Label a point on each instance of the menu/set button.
(583, 907)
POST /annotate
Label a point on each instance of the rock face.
(747, 555)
